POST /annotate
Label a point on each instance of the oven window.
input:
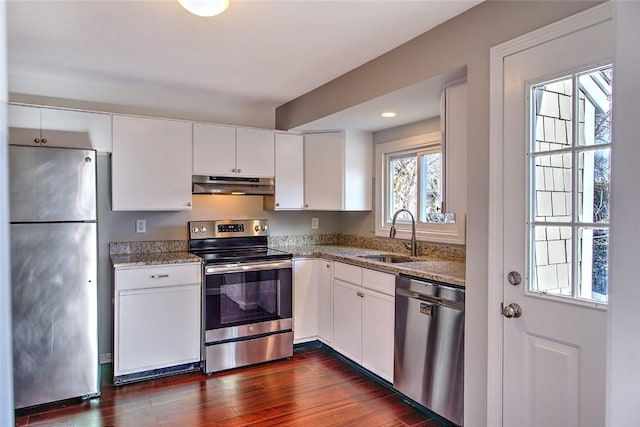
(249, 297)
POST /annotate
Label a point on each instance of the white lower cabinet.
(305, 301)
(157, 317)
(312, 300)
(363, 317)
(347, 319)
(324, 277)
(349, 308)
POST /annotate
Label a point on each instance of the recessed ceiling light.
(388, 114)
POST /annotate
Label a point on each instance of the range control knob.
(263, 227)
(257, 228)
(203, 229)
(195, 230)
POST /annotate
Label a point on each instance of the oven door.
(247, 299)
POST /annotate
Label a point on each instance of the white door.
(555, 183)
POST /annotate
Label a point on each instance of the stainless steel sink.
(388, 258)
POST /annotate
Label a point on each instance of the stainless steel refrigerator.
(53, 274)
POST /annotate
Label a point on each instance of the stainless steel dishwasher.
(429, 345)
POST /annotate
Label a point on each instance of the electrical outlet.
(141, 225)
(314, 223)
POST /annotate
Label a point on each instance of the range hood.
(203, 184)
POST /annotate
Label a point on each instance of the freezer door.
(54, 303)
(51, 184)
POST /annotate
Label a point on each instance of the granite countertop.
(443, 270)
(137, 254)
(152, 258)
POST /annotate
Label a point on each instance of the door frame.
(587, 18)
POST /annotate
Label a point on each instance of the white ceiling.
(255, 56)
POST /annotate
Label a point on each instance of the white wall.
(6, 355)
(623, 359)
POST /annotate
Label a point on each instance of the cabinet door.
(324, 171)
(76, 129)
(150, 338)
(214, 150)
(305, 306)
(24, 125)
(325, 300)
(377, 333)
(455, 148)
(289, 171)
(347, 320)
(255, 154)
(151, 164)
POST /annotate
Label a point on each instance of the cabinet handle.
(36, 141)
(328, 265)
(234, 170)
(44, 140)
(360, 294)
(306, 205)
(159, 276)
(277, 204)
(189, 204)
(239, 170)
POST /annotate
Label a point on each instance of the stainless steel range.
(247, 294)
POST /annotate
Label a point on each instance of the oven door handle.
(240, 267)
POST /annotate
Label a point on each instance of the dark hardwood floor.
(314, 388)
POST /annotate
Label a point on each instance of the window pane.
(552, 188)
(551, 127)
(595, 107)
(594, 176)
(593, 261)
(431, 189)
(551, 260)
(403, 185)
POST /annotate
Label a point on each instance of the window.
(410, 177)
(570, 170)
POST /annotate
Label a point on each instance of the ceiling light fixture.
(205, 7)
(388, 114)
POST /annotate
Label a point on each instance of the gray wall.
(120, 226)
(463, 40)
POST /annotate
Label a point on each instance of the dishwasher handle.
(430, 298)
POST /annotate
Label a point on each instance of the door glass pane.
(571, 185)
(595, 107)
(551, 260)
(552, 118)
(403, 184)
(593, 258)
(552, 188)
(594, 177)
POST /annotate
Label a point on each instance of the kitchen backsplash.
(147, 247)
(432, 250)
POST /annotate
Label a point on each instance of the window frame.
(451, 233)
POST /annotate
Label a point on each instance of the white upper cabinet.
(455, 147)
(338, 169)
(151, 164)
(220, 150)
(59, 128)
(289, 170)
(255, 152)
(214, 149)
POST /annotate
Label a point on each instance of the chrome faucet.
(392, 231)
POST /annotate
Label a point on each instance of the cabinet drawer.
(157, 276)
(377, 281)
(348, 273)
